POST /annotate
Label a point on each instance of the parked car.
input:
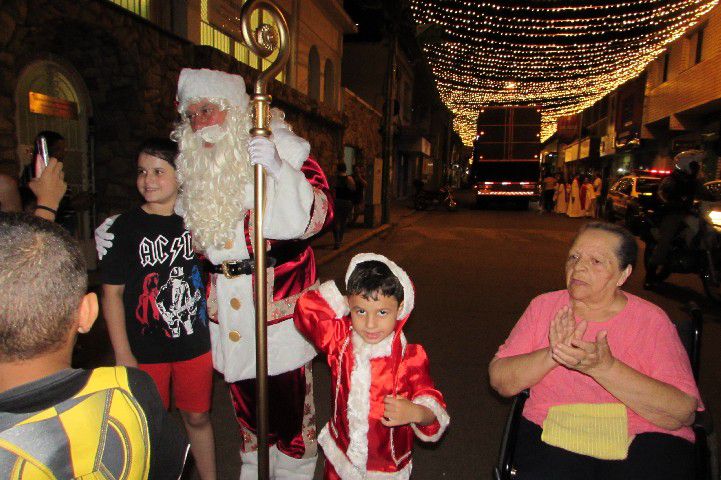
(630, 197)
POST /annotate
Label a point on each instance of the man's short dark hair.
(627, 252)
(371, 278)
(43, 279)
(341, 166)
(162, 148)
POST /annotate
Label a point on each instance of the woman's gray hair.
(627, 252)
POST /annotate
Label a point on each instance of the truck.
(506, 155)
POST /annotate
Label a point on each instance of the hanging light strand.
(563, 58)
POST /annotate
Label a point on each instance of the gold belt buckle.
(226, 271)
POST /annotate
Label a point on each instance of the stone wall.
(362, 127)
(363, 131)
(130, 69)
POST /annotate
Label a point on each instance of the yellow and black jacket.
(106, 423)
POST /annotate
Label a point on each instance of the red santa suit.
(355, 442)
(297, 207)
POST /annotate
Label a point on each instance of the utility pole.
(388, 144)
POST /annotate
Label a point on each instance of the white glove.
(103, 238)
(263, 152)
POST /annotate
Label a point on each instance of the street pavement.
(474, 271)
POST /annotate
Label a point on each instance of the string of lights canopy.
(562, 55)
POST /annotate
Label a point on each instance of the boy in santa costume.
(383, 392)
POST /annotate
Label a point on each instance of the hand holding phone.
(50, 187)
(43, 157)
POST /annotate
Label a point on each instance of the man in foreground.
(57, 421)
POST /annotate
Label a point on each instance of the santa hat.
(210, 84)
(408, 292)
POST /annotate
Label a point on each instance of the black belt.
(232, 269)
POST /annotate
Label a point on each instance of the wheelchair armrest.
(504, 469)
(703, 422)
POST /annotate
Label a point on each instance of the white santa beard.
(213, 182)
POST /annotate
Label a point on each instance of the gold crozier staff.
(263, 41)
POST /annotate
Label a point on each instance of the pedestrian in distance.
(57, 421)
(598, 192)
(549, 191)
(344, 192)
(575, 209)
(360, 188)
(154, 300)
(383, 390)
(587, 197)
(561, 195)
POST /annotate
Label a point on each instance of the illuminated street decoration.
(559, 55)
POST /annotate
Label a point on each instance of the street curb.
(357, 241)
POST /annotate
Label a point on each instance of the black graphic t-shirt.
(165, 313)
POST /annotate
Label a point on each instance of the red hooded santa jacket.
(355, 441)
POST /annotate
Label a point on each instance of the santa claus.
(215, 174)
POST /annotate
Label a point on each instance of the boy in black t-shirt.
(55, 421)
(154, 300)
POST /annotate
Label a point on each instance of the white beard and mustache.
(213, 179)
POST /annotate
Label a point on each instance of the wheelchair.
(706, 447)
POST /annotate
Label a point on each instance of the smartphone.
(41, 161)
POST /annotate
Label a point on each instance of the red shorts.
(192, 382)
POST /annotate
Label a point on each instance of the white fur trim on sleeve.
(320, 211)
(441, 417)
(291, 148)
(408, 292)
(330, 293)
(289, 200)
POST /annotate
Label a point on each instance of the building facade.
(103, 74)
(384, 65)
(683, 96)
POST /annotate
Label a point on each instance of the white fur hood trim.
(211, 84)
(291, 148)
(408, 292)
(359, 396)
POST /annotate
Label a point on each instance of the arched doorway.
(53, 96)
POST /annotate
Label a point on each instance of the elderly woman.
(612, 392)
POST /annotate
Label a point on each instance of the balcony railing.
(138, 7)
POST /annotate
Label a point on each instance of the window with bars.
(221, 30)
(138, 7)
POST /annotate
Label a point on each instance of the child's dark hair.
(371, 278)
(161, 148)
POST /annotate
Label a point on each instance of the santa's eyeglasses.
(203, 113)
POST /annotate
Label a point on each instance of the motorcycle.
(695, 249)
(424, 199)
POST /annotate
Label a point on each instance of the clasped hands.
(400, 411)
(567, 347)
